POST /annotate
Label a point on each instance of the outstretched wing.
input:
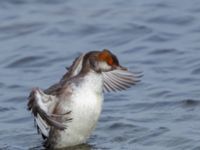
(42, 104)
(42, 107)
(118, 80)
(73, 70)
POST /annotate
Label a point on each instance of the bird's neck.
(94, 81)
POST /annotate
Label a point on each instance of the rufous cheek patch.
(105, 56)
(110, 61)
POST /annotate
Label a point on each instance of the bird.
(67, 112)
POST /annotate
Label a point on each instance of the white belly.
(86, 103)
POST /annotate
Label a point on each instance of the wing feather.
(117, 80)
(42, 107)
(73, 70)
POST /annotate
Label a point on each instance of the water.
(39, 38)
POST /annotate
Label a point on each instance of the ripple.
(14, 2)
(135, 50)
(163, 105)
(173, 20)
(150, 135)
(50, 2)
(157, 38)
(196, 71)
(187, 80)
(24, 2)
(165, 51)
(19, 29)
(19, 120)
(161, 37)
(159, 5)
(131, 32)
(28, 61)
(17, 99)
(196, 148)
(89, 29)
(177, 141)
(2, 84)
(143, 107)
(163, 93)
(100, 13)
(118, 126)
(5, 109)
(14, 86)
(190, 103)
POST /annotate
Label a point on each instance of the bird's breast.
(86, 105)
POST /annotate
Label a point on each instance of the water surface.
(39, 38)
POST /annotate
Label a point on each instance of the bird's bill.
(121, 68)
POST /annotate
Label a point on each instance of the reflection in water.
(79, 147)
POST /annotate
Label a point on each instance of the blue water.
(39, 38)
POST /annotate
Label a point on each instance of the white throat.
(94, 82)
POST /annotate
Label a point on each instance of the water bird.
(67, 112)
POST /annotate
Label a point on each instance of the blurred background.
(39, 38)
